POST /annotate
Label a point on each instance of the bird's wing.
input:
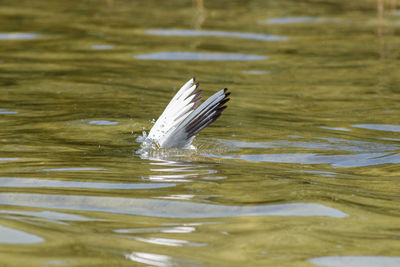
(182, 134)
(178, 109)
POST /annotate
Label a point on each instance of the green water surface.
(302, 169)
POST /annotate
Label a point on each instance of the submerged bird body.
(184, 116)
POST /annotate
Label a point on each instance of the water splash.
(151, 150)
(146, 145)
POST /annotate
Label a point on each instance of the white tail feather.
(183, 118)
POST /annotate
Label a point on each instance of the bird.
(184, 116)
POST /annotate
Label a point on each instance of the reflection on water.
(168, 242)
(188, 228)
(379, 127)
(47, 215)
(9, 159)
(102, 47)
(304, 163)
(242, 35)
(354, 160)
(74, 169)
(335, 128)
(176, 165)
(289, 20)
(183, 229)
(103, 122)
(357, 261)
(19, 36)
(164, 208)
(37, 183)
(179, 197)
(180, 171)
(365, 153)
(325, 144)
(199, 56)
(13, 236)
(256, 72)
(158, 260)
(6, 111)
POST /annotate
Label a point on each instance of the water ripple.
(195, 56)
(13, 236)
(291, 20)
(323, 143)
(39, 183)
(102, 47)
(183, 229)
(242, 35)
(179, 171)
(102, 122)
(357, 261)
(379, 127)
(47, 215)
(19, 36)
(6, 111)
(9, 159)
(335, 128)
(158, 260)
(256, 72)
(168, 242)
(353, 160)
(164, 208)
(74, 169)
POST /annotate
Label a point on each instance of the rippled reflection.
(290, 20)
(180, 171)
(256, 72)
(379, 127)
(181, 229)
(37, 183)
(323, 143)
(43, 216)
(18, 36)
(158, 260)
(6, 111)
(363, 153)
(102, 47)
(177, 165)
(199, 56)
(13, 236)
(103, 122)
(354, 160)
(164, 208)
(357, 261)
(242, 35)
(168, 242)
(74, 169)
(9, 159)
(49, 215)
(335, 128)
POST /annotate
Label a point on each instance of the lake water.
(302, 169)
